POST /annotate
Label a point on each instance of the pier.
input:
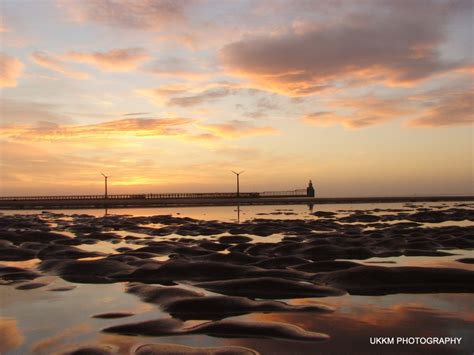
(202, 199)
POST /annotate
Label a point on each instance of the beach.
(279, 279)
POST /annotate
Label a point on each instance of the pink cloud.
(54, 63)
(10, 69)
(452, 109)
(113, 60)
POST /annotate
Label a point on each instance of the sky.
(365, 98)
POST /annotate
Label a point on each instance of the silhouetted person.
(310, 189)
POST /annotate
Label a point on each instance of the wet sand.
(253, 286)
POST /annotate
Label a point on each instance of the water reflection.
(11, 336)
(227, 213)
(45, 346)
(351, 329)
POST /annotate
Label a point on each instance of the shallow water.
(40, 321)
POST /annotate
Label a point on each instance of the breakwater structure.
(299, 196)
(162, 199)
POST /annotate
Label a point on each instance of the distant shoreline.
(196, 202)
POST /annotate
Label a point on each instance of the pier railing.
(294, 193)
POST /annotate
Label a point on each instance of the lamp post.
(105, 177)
(238, 182)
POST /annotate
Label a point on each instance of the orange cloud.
(10, 69)
(55, 64)
(187, 95)
(359, 112)
(398, 45)
(237, 129)
(113, 60)
(454, 109)
(134, 127)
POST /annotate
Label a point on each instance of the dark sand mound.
(174, 349)
(160, 294)
(159, 327)
(360, 217)
(452, 214)
(33, 245)
(322, 266)
(65, 252)
(88, 271)
(419, 252)
(234, 239)
(112, 315)
(269, 287)
(16, 254)
(280, 262)
(214, 246)
(219, 307)
(224, 329)
(91, 350)
(175, 270)
(324, 214)
(466, 260)
(62, 289)
(11, 273)
(239, 329)
(104, 236)
(31, 236)
(330, 252)
(162, 248)
(233, 257)
(378, 280)
(31, 285)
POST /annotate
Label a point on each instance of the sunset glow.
(363, 97)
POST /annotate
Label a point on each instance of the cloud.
(56, 64)
(134, 14)
(3, 26)
(10, 69)
(261, 108)
(136, 114)
(165, 90)
(446, 106)
(360, 112)
(238, 129)
(187, 95)
(396, 43)
(114, 60)
(453, 109)
(26, 112)
(202, 97)
(177, 67)
(133, 127)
